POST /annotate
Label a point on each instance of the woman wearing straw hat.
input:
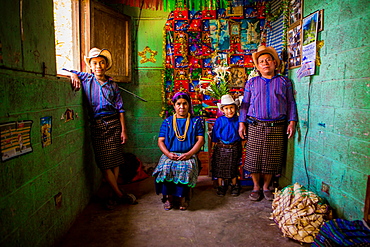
(268, 115)
(106, 115)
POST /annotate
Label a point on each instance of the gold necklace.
(179, 137)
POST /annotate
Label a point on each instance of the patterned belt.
(105, 118)
(254, 122)
(219, 144)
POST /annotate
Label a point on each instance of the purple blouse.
(268, 99)
(103, 99)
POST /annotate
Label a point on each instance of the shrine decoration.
(199, 43)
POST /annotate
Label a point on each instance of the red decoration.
(181, 15)
(209, 14)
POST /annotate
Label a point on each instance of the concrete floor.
(210, 221)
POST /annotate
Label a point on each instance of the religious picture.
(250, 34)
(237, 77)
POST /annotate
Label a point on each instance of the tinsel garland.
(286, 13)
(162, 114)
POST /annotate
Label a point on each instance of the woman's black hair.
(185, 96)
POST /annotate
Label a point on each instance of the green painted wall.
(143, 120)
(28, 184)
(337, 154)
(337, 144)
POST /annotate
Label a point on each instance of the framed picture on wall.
(295, 15)
(294, 46)
(238, 77)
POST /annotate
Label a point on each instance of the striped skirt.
(106, 140)
(266, 148)
(225, 161)
(177, 171)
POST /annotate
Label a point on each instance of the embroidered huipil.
(196, 128)
(226, 130)
(268, 99)
(103, 99)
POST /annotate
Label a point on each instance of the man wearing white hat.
(268, 116)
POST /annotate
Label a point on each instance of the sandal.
(183, 204)
(167, 205)
(255, 195)
(268, 195)
(128, 198)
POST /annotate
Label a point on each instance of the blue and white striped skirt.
(179, 172)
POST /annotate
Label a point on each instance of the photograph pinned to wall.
(15, 139)
(237, 77)
(294, 46)
(45, 123)
(309, 38)
(296, 11)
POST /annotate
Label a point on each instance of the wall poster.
(309, 38)
(15, 139)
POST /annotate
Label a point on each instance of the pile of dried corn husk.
(298, 213)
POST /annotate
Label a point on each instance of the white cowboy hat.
(95, 52)
(266, 50)
(227, 99)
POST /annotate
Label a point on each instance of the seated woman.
(181, 136)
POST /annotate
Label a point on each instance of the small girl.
(180, 138)
(226, 146)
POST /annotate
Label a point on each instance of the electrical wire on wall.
(306, 134)
(138, 21)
